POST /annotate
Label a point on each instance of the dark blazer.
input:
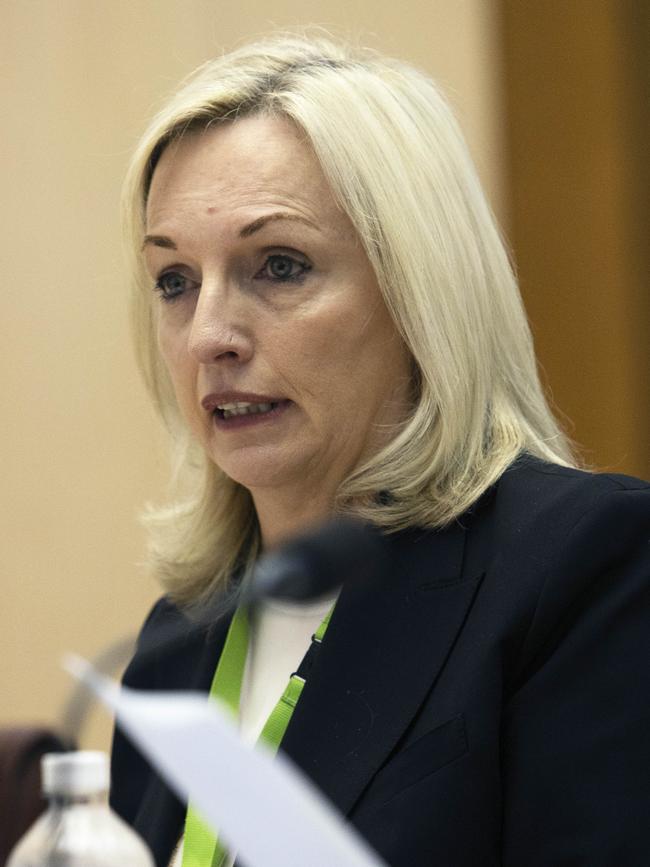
(487, 703)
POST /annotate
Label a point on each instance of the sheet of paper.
(264, 807)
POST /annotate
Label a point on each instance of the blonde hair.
(397, 163)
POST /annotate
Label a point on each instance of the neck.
(283, 516)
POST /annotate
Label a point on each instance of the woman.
(334, 327)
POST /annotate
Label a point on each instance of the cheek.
(377, 369)
(345, 354)
(361, 340)
(317, 353)
(172, 347)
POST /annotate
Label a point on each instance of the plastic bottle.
(78, 828)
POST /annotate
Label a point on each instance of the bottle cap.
(84, 772)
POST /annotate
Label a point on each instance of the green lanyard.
(200, 847)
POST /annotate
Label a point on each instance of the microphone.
(305, 568)
(317, 563)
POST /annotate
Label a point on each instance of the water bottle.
(78, 828)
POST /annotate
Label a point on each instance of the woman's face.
(284, 360)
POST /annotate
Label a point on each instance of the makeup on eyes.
(280, 267)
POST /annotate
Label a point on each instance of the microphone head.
(315, 564)
(306, 568)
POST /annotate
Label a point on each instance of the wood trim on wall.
(576, 87)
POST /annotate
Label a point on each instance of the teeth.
(236, 405)
(231, 409)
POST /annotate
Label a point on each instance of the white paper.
(263, 807)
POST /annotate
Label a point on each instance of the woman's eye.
(172, 284)
(283, 268)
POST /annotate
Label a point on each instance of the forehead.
(241, 167)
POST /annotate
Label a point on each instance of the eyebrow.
(159, 241)
(246, 232)
(258, 224)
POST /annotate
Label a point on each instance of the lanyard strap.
(200, 846)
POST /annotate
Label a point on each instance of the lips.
(219, 399)
(236, 407)
(229, 410)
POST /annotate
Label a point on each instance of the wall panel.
(577, 107)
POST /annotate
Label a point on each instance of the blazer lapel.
(384, 648)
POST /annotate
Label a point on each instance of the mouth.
(234, 411)
(241, 408)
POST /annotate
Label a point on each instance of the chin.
(288, 463)
(261, 473)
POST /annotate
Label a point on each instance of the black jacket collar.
(369, 680)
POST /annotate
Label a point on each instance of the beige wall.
(81, 449)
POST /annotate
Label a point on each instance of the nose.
(219, 331)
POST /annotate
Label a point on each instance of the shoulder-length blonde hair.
(397, 163)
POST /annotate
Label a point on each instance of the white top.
(280, 635)
(77, 774)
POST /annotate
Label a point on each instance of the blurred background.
(553, 96)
